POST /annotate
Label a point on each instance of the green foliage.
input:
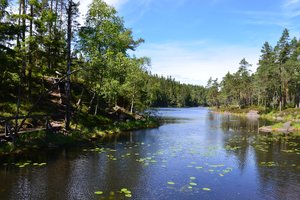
(274, 85)
(33, 51)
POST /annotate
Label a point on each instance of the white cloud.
(284, 16)
(194, 62)
(116, 3)
(291, 9)
(289, 3)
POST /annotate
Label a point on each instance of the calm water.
(202, 155)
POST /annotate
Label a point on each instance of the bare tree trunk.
(19, 24)
(61, 14)
(91, 102)
(280, 89)
(23, 40)
(79, 100)
(49, 56)
(68, 88)
(20, 72)
(56, 13)
(30, 62)
(132, 101)
(97, 105)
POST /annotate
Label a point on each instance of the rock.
(266, 129)
(253, 114)
(125, 114)
(286, 127)
(279, 118)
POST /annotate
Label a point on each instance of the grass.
(277, 125)
(296, 125)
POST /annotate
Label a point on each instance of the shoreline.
(40, 140)
(284, 121)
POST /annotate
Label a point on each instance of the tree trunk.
(280, 89)
(79, 100)
(20, 72)
(68, 89)
(19, 24)
(23, 41)
(30, 62)
(132, 101)
(56, 13)
(97, 104)
(91, 103)
(61, 14)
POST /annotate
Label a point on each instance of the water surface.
(201, 155)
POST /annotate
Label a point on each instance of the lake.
(197, 154)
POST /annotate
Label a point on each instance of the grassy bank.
(234, 110)
(81, 134)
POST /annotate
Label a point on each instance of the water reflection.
(223, 153)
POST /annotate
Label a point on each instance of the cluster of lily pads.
(164, 153)
(268, 164)
(28, 163)
(191, 185)
(127, 193)
(167, 151)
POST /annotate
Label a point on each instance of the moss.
(296, 126)
(277, 125)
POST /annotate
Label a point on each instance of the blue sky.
(192, 40)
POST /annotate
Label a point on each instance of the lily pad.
(98, 192)
(128, 195)
(206, 189)
(125, 190)
(42, 164)
(171, 183)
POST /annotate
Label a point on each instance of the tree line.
(41, 40)
(274, 85)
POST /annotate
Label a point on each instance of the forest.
(52, 64)
(275, 85)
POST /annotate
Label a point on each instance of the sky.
(192, 40)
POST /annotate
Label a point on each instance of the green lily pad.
(193, 184)
(206, 189)
(98, 192)
(171, 183)
(42, 164)
(192, 178)
(128, 195)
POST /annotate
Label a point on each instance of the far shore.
(286, 121)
